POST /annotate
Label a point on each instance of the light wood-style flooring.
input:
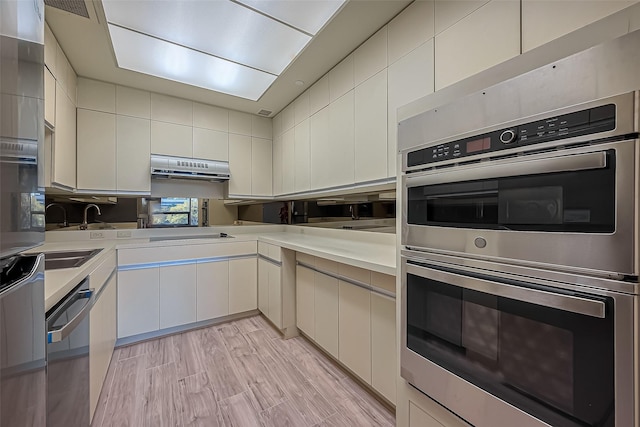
(240, 373)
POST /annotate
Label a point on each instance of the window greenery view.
(174, 211)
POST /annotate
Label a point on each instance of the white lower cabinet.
(275, 294)
(383, 345)
(102, 338)
(326, 297)
(243, 286)
(212, 289)
(263, 286)
(138, 301)
(305, 318)
(177, 295)
(354, 331)
(419, 418)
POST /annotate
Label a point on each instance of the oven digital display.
(478, 145)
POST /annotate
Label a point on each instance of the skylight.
(234, 47)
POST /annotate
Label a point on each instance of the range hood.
(189, 168)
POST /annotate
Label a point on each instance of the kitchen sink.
(203, 236)
(68, 259)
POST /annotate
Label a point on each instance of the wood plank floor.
(240, 374)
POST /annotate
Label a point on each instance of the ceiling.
(88, 47)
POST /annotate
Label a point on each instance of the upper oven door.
(572, 209)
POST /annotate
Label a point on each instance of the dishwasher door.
(68, 359)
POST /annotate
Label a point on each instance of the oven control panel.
(585, 122)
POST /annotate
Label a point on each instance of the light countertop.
(371, 251)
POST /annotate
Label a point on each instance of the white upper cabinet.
(240, 164)
(544, 20)
(288, 159)
(50, 49)
(371, 128)
(64, 141)
(97, 96)
(133, 102)
(341, 141)
(171, 139)
(302, 160)
(171, 110)
(408, 79)
(277, 165)
(301, 108)
(320, 150)
(133, 149)
(319, 95)
(487, 37)
(239, 123)
(449, 12)
(261, 127)
(288, 118)
(261, 167)
(277, 125)
(96, 150)
(210, 117)
(210, 144)
(49, 98)
(410, 29)
(370, 58)
(341, 78)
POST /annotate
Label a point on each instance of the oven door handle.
(514, 168)
(574, 304)
(58, 335)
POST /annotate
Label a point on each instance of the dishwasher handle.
(62, 333)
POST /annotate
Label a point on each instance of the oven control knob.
(480, 242)
(508, 136)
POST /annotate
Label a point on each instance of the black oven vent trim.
(580, 123)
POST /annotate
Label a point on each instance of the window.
(173, 212)
(32, 211)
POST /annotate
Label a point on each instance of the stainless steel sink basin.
(68, 259)
(203, 236)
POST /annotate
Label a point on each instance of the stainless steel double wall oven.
(520, 243)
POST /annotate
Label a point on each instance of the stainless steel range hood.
(188, 168)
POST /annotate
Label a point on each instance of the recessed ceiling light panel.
(306, 15)
(149, 55)
(221, 28)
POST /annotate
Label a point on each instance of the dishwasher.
(68, 359)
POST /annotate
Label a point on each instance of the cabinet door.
(341, 141)
(133, 151)
(302, 176)
(277, 165)
(240, 164)
(212, 290)
(482, 39)
(210, 144)
(326, 312)
(177, 295)
(64, 142)
(96, 150)
(419, 418)
(275, 295)
(371, 129)
(288, 161)
(243, 285)
(320, 150)
(354, 343)
(138, 301)
(261, 167)
(263, 286)
(49, 98)
(383, 348)
(305, 317)
(171, 139)
(102, 338)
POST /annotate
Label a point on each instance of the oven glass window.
(554, 364)
(576, 201)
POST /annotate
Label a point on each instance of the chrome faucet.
(85, 224)
(64, 212)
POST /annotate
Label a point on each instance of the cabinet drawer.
(99, 276)
(187, 252)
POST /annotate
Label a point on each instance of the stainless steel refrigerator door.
(21, 130)
(23, 349)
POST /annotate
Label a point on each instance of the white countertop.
(371, 251)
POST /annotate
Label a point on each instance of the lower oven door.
(500, 351)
